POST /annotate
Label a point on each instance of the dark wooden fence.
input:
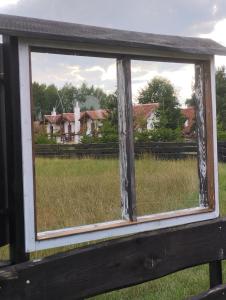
(168, 150)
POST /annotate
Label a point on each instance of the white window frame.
(74, 235)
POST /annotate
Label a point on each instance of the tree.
(157, 91)
(160, 90)
(221, 96)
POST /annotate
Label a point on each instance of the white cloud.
(8, 2)
(107, 74)
(74, 69)
(218, 35)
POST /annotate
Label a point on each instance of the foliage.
(221, 133)
(221, 96)
(159, 135)
(108, 133)
(44, 99)
(157, 91)
(43, 139)
(160, 90)
(48, 96)
(191, 101)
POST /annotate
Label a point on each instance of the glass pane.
(75, 140)
(165, 137)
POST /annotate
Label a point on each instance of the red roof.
(99, 114)
(70, 117)
(189, 114)
(53, 119)
(144, 110)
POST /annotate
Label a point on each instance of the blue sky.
(203, 18)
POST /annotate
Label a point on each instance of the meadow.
(83, 191)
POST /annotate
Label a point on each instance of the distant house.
(189, 114)
(69, 127)
(144, 115)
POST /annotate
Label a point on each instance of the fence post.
(215, 270)
(14, 151)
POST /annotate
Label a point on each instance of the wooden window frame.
(130, 223)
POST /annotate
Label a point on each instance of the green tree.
(160, 90)
(157, 90)
(45, 98)
(221, 96)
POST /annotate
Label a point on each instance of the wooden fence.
(168, 150)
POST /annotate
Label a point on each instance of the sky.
(198, 18)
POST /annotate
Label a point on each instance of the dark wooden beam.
(62, 31)
(3, 158)
(14, 150)
(215, 269)
(115, 264)
(126, 140)
(216, 293)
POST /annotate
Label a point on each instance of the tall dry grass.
(73, 192)
(179, 179)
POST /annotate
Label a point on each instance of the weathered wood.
(201, 135)
(3, 170)
(115, 264)
(62, 31)
(14, 150)
(126, 141)
(216, 293)
(207, 93)
(215, 269)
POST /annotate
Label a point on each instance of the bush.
(43, 139)
(221, 135)
(159, 135)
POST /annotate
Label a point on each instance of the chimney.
(53, 113)
(77, 122)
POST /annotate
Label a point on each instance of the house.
(69, 127)
(190, 116)
(144, 115)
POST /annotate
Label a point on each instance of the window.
(126, 191)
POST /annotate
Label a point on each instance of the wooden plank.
(115, 264)
(3, 171)
(14, 150)
(62, 31)
(207, 91)
(201, 134)
(126, 141)
(216, 293)
(215, 269)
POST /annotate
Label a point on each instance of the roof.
(62, 31)
(70, 117)
(53, 119)
(144, 110)
(99, 114)
(190, 116)
(188, 112)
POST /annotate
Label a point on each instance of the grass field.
(85, 191)
(68, 190)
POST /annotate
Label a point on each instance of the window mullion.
(126, 141)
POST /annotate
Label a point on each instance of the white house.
(69, 127)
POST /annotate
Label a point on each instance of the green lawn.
(68, 190)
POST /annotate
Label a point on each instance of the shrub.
(159, 135)
(43, 139)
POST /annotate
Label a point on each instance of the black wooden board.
(115, 264)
